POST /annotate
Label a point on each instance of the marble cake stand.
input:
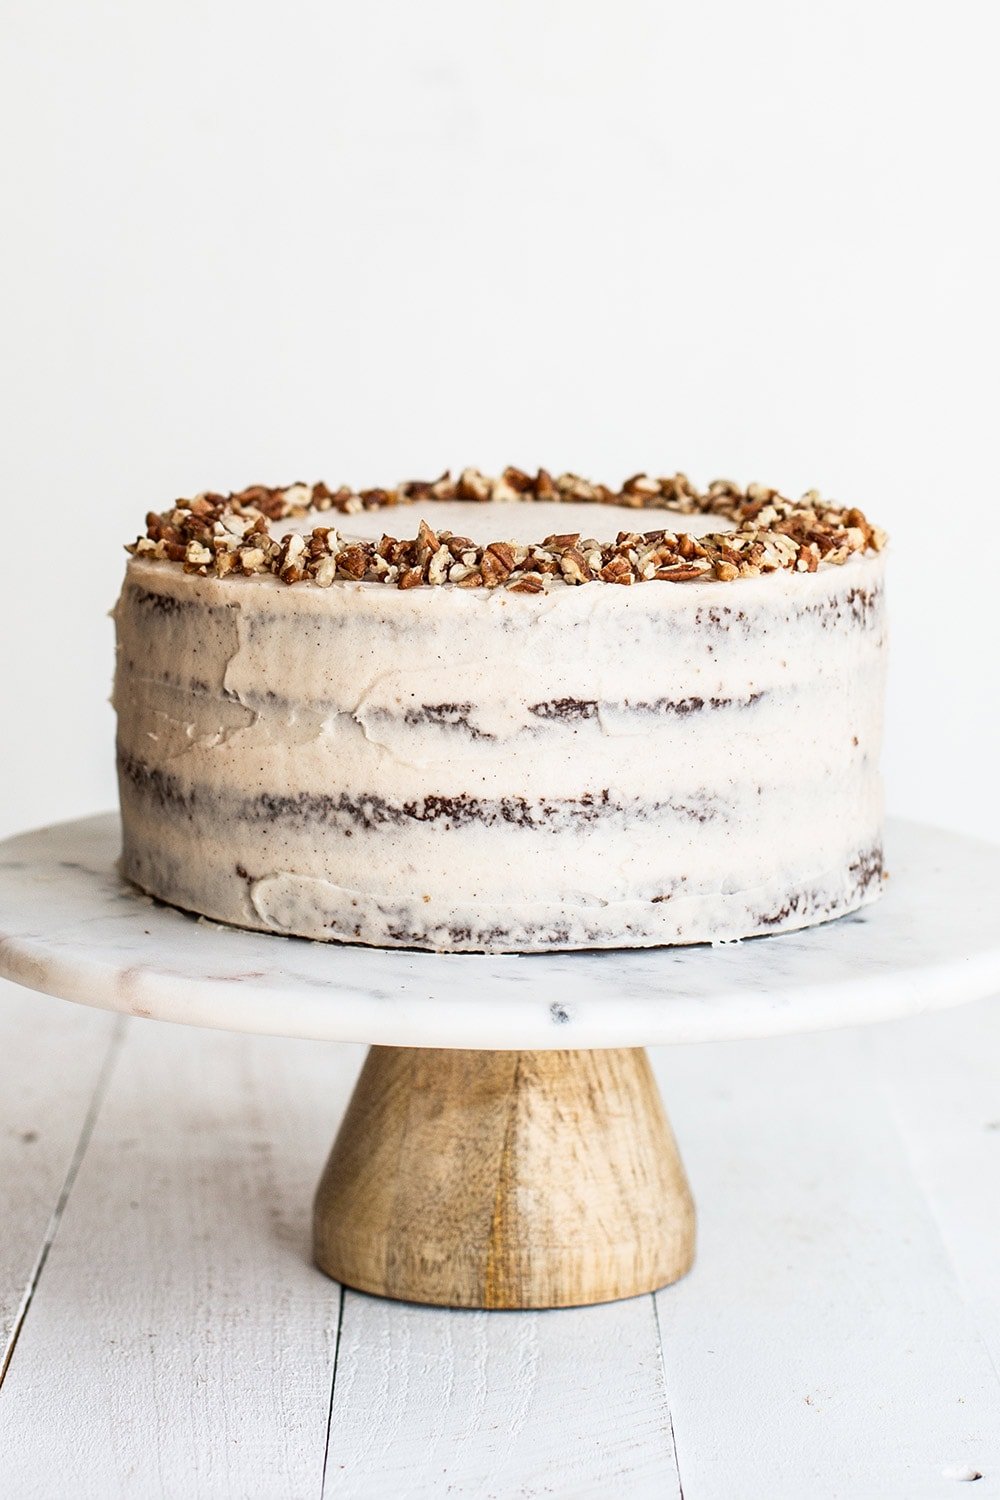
(505, 1145)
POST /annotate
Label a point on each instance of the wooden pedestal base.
(504, 1180)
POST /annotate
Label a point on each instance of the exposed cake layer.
(473, 769)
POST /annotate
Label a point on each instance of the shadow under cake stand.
(505, 1146)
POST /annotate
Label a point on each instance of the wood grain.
(824, 1348)
(504, 1180)
(834, 1339)
(942, 1083)
(180, 1343)
(432, 1402)
(53, 1057)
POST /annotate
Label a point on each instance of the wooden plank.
(942, 1077)
(52, 1060)
(822, 1345)
(430, 1402)
(180, 1342)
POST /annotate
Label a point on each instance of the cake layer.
(464, 768)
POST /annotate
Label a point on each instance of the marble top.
(70, 926)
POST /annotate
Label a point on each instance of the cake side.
(473, 769)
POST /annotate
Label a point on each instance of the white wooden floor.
(166, 1334)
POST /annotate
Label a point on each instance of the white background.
(249, 242)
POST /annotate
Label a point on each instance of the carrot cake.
(514, 714)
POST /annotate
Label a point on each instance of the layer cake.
(518, 714)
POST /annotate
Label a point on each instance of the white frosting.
(522, 522)
(597, 766)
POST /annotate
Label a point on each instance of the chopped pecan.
(231, 533)
(492, 570)
(473, 486)
(575, 568)
(681, 574)
(618, 570)
(518, 480)
(504, 554)
(641, 484)
(427, 538)
(351, 562)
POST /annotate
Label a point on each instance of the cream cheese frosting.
(484, 769)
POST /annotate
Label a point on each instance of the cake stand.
(505, 1146)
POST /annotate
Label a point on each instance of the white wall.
(252, 242)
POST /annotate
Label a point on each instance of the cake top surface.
(481, 532)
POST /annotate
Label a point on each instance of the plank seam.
(666, 1394)
(80, 1150)
(874, 1046)
(333, 1387)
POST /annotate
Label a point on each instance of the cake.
(504, 715)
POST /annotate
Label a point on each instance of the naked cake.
(510, 714)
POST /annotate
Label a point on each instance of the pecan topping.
(352, 562)
(230, 534)
(618, 570)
